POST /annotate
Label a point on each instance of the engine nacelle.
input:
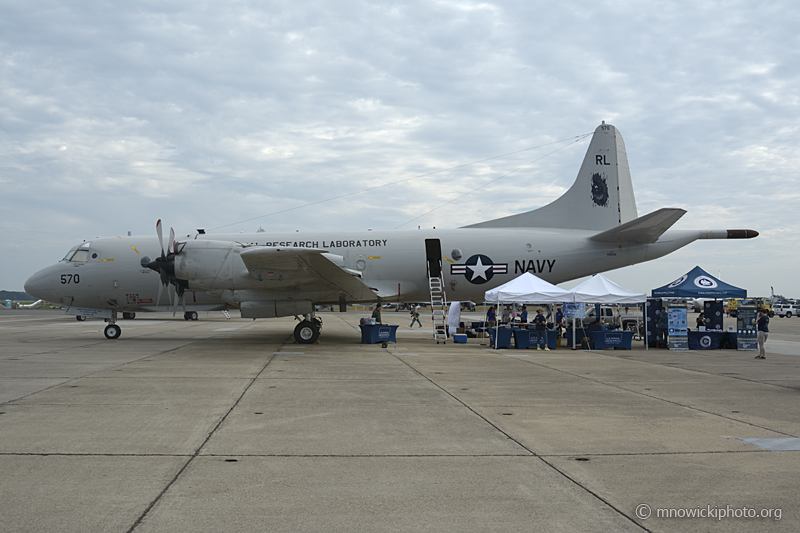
(210, 265)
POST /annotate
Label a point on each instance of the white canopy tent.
(600, 290)
(526, 288)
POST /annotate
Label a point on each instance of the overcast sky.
(210, 114)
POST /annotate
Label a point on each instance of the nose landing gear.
(112, 331)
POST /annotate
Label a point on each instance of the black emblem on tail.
(599, 190)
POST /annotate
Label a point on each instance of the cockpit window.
(81, 256)
(78, 254)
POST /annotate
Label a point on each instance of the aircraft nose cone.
(40, 286)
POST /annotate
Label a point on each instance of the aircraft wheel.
(128, 316)
(112, 331)
(306, 332)
(192, 315)
(80, 318)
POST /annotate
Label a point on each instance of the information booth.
(600, 290)
(697, 283)
(525, 289)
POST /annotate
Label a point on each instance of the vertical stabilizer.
(600, 199)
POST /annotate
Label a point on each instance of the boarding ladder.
(438, 308)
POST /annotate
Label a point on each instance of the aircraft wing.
(645, 229)
(318, 265)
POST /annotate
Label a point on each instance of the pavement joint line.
(197, 451)
(532, 452)
(106, 369)
(399, 455)
(672, 402)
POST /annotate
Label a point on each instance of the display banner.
(713, 313)
(678, 334)
(746, 334)
(574, 310)
(653, 308)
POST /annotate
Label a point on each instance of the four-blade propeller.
(165, 266)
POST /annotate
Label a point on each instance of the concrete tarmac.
(226, 425)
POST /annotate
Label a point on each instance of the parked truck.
(759, 303)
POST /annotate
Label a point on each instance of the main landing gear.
(190, 315)
(307, 331)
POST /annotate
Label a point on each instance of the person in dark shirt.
(763, 332)
(662, 325)
(524, 315)
(541, 330)
(701, 320)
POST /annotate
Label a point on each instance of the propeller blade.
(177, 301)
(160, 288)
(171, 240)
(160, 237)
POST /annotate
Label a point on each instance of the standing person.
(662, 325)
(491, 317)
(415, 317)
(376, 314)
(763, 333)
(701, 320)
(524, 314)
(506, 314)
(541, 330)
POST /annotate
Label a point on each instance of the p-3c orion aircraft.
(593, 227)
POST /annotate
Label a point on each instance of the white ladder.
(438, 309)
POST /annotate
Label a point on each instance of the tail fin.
(600, 199)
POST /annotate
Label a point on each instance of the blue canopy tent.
(698, 283)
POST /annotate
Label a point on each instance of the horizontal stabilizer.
(645, 229)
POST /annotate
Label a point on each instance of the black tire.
(128, 316)
(112, 331)
(80, 318)
(192, 315)
(788, 314)
(306, 332)
(771, 314)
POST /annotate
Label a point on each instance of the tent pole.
(573, 333)
(496, 323)
(644, 319)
